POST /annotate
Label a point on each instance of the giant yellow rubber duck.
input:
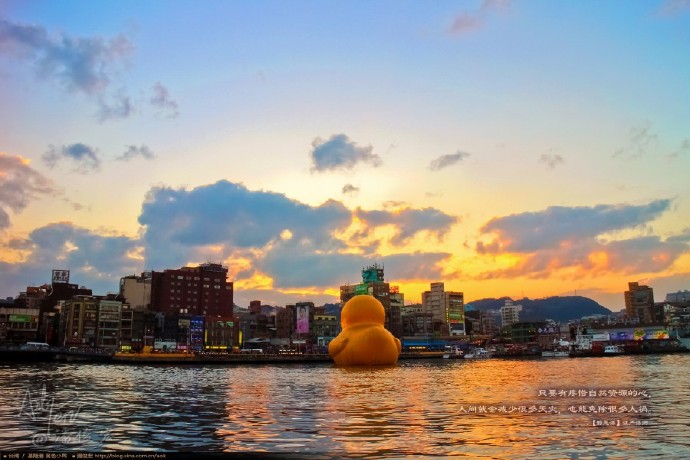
(363, 340)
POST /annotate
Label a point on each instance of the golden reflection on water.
(421, 408)
(247, 408)
(426, 409)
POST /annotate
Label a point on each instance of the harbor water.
(621, 407)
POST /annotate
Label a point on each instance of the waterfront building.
(202, 290)
(80, 315)
(510, 313)
(108, 330)
(447, 309)
(137, 329)
(410, 309)
(473, 320)
(678, 297)
(418, 324)
(49, 296)
(488, 323)
(220, 333)
(18, 324)
(136, 291)
(325, 329)
(283, 323)
(540, 333)
(195, 333)
(254, 307)
(347, 292)
(524, 331)
(397, 301)
(639, 302)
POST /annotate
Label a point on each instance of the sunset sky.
(507, 148)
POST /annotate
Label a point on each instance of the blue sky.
(505, 147)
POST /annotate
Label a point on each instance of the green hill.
(559, 309)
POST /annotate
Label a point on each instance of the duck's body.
(363, 340)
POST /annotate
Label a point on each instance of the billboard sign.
(60, 276)
(362, 289)
(22, 318)
(303, 319)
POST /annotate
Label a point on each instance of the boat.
(42, 352)
(555, 354)
(28, 352)
(478, 353)
(561, 349)
(453, 353)
(613, 349)
(682, 335)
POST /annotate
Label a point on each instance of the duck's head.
(362, 309)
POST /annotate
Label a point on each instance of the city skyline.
(505, 148)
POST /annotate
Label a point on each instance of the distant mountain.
(559, 309)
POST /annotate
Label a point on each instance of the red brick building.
(202, 290)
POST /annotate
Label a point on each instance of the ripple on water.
(416, 409)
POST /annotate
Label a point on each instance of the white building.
(680, 296)
(446, 307)
(510, 313)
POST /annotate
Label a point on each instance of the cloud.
(674, 7)
(120, 107)
(532, 231)
(19, 184)
(349, 189)
(78, 64)
(293, 244)
(161, 100)
(471, 21)
(133, 152)
(683, 150)
(95, 260)
(551, 160)
(640, 139)
(229, 214)
(339, 153)
(288, 245)
(292, 267)
(447, 160)
(85, 157)
(573, 240)
(409, 222)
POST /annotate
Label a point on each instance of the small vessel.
(555, 354)
(478, 353)
(682, 334)
(613, 350)
(453, 353)
(561, 349)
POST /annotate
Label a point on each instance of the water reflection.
(491, 408)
